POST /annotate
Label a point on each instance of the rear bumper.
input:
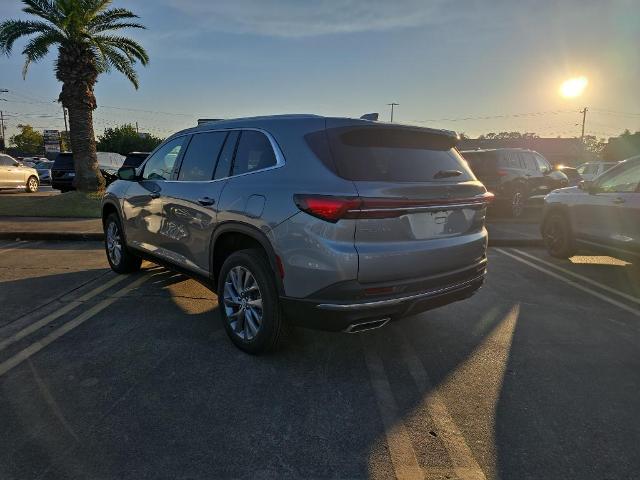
(341, 315)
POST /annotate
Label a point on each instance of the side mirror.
(128, 174)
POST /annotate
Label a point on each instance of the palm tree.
(82, 30)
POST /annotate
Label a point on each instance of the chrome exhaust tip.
(368, 325)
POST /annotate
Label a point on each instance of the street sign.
(51, 141)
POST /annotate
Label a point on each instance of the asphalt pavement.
(107, 376)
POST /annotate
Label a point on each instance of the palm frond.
(38, 47)
(11, 30)
(122, 63)
(45, 9)
(116, 26)
(132, 49)
(109, 17)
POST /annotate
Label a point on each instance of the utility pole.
(584, 120)
(3, 145)
(392, 104)
(137, 131)
(64, 112)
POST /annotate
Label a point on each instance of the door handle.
(206, 201)
(618, 200)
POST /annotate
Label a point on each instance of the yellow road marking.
(67, 327)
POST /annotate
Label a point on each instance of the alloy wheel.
(32, 185)
(114, 243)
(243, 303)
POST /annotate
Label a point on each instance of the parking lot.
(106, 376)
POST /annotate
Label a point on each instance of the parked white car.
(590, 170)
(15, 175)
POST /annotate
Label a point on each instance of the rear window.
(482, 163)
(395, 154)
(134, 159)
(64, 161)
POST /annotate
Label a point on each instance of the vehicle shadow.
(151, 387)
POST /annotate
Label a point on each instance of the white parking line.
(70, 325)
(60, 312)
(403, 456)
(10, 247)
(599, 295)
(465, 465)
(631, 298)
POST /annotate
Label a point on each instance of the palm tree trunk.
(83, 145)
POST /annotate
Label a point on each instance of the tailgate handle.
(205, 201)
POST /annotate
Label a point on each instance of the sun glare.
(573, 87)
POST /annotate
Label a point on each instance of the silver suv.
(329, 223)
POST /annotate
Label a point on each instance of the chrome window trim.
(280, 160)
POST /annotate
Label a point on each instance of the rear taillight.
(327, 207)
(502, 173)
(332, 208)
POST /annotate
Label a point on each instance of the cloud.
(296, 18)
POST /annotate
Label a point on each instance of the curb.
(69, 236)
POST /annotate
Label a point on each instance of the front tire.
(32, 184)
(120, 258)
(249, 303)
(557, 236)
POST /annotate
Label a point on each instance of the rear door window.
(395, 154)
(200, 158)
(254, 153)
(529, 162)
(510, 160)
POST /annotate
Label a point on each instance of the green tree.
(508, 136)
(125, 139)
(28, 141)
(82, 32)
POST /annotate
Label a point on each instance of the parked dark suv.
(519, 178)
(331, 223)
(63, 170)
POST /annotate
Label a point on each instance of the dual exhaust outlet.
(367, 325)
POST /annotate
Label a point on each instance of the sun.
(574, 87)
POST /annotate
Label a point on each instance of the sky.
(467, 65)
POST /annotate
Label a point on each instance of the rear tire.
(120, 258)
(249, 303)
(557, 236)
(32, 184)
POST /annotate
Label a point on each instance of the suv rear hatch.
(63, 167)
(421, 210)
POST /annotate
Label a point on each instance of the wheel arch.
(232, 236)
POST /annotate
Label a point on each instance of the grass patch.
(70, 204)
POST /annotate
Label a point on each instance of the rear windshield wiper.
(447, 173)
